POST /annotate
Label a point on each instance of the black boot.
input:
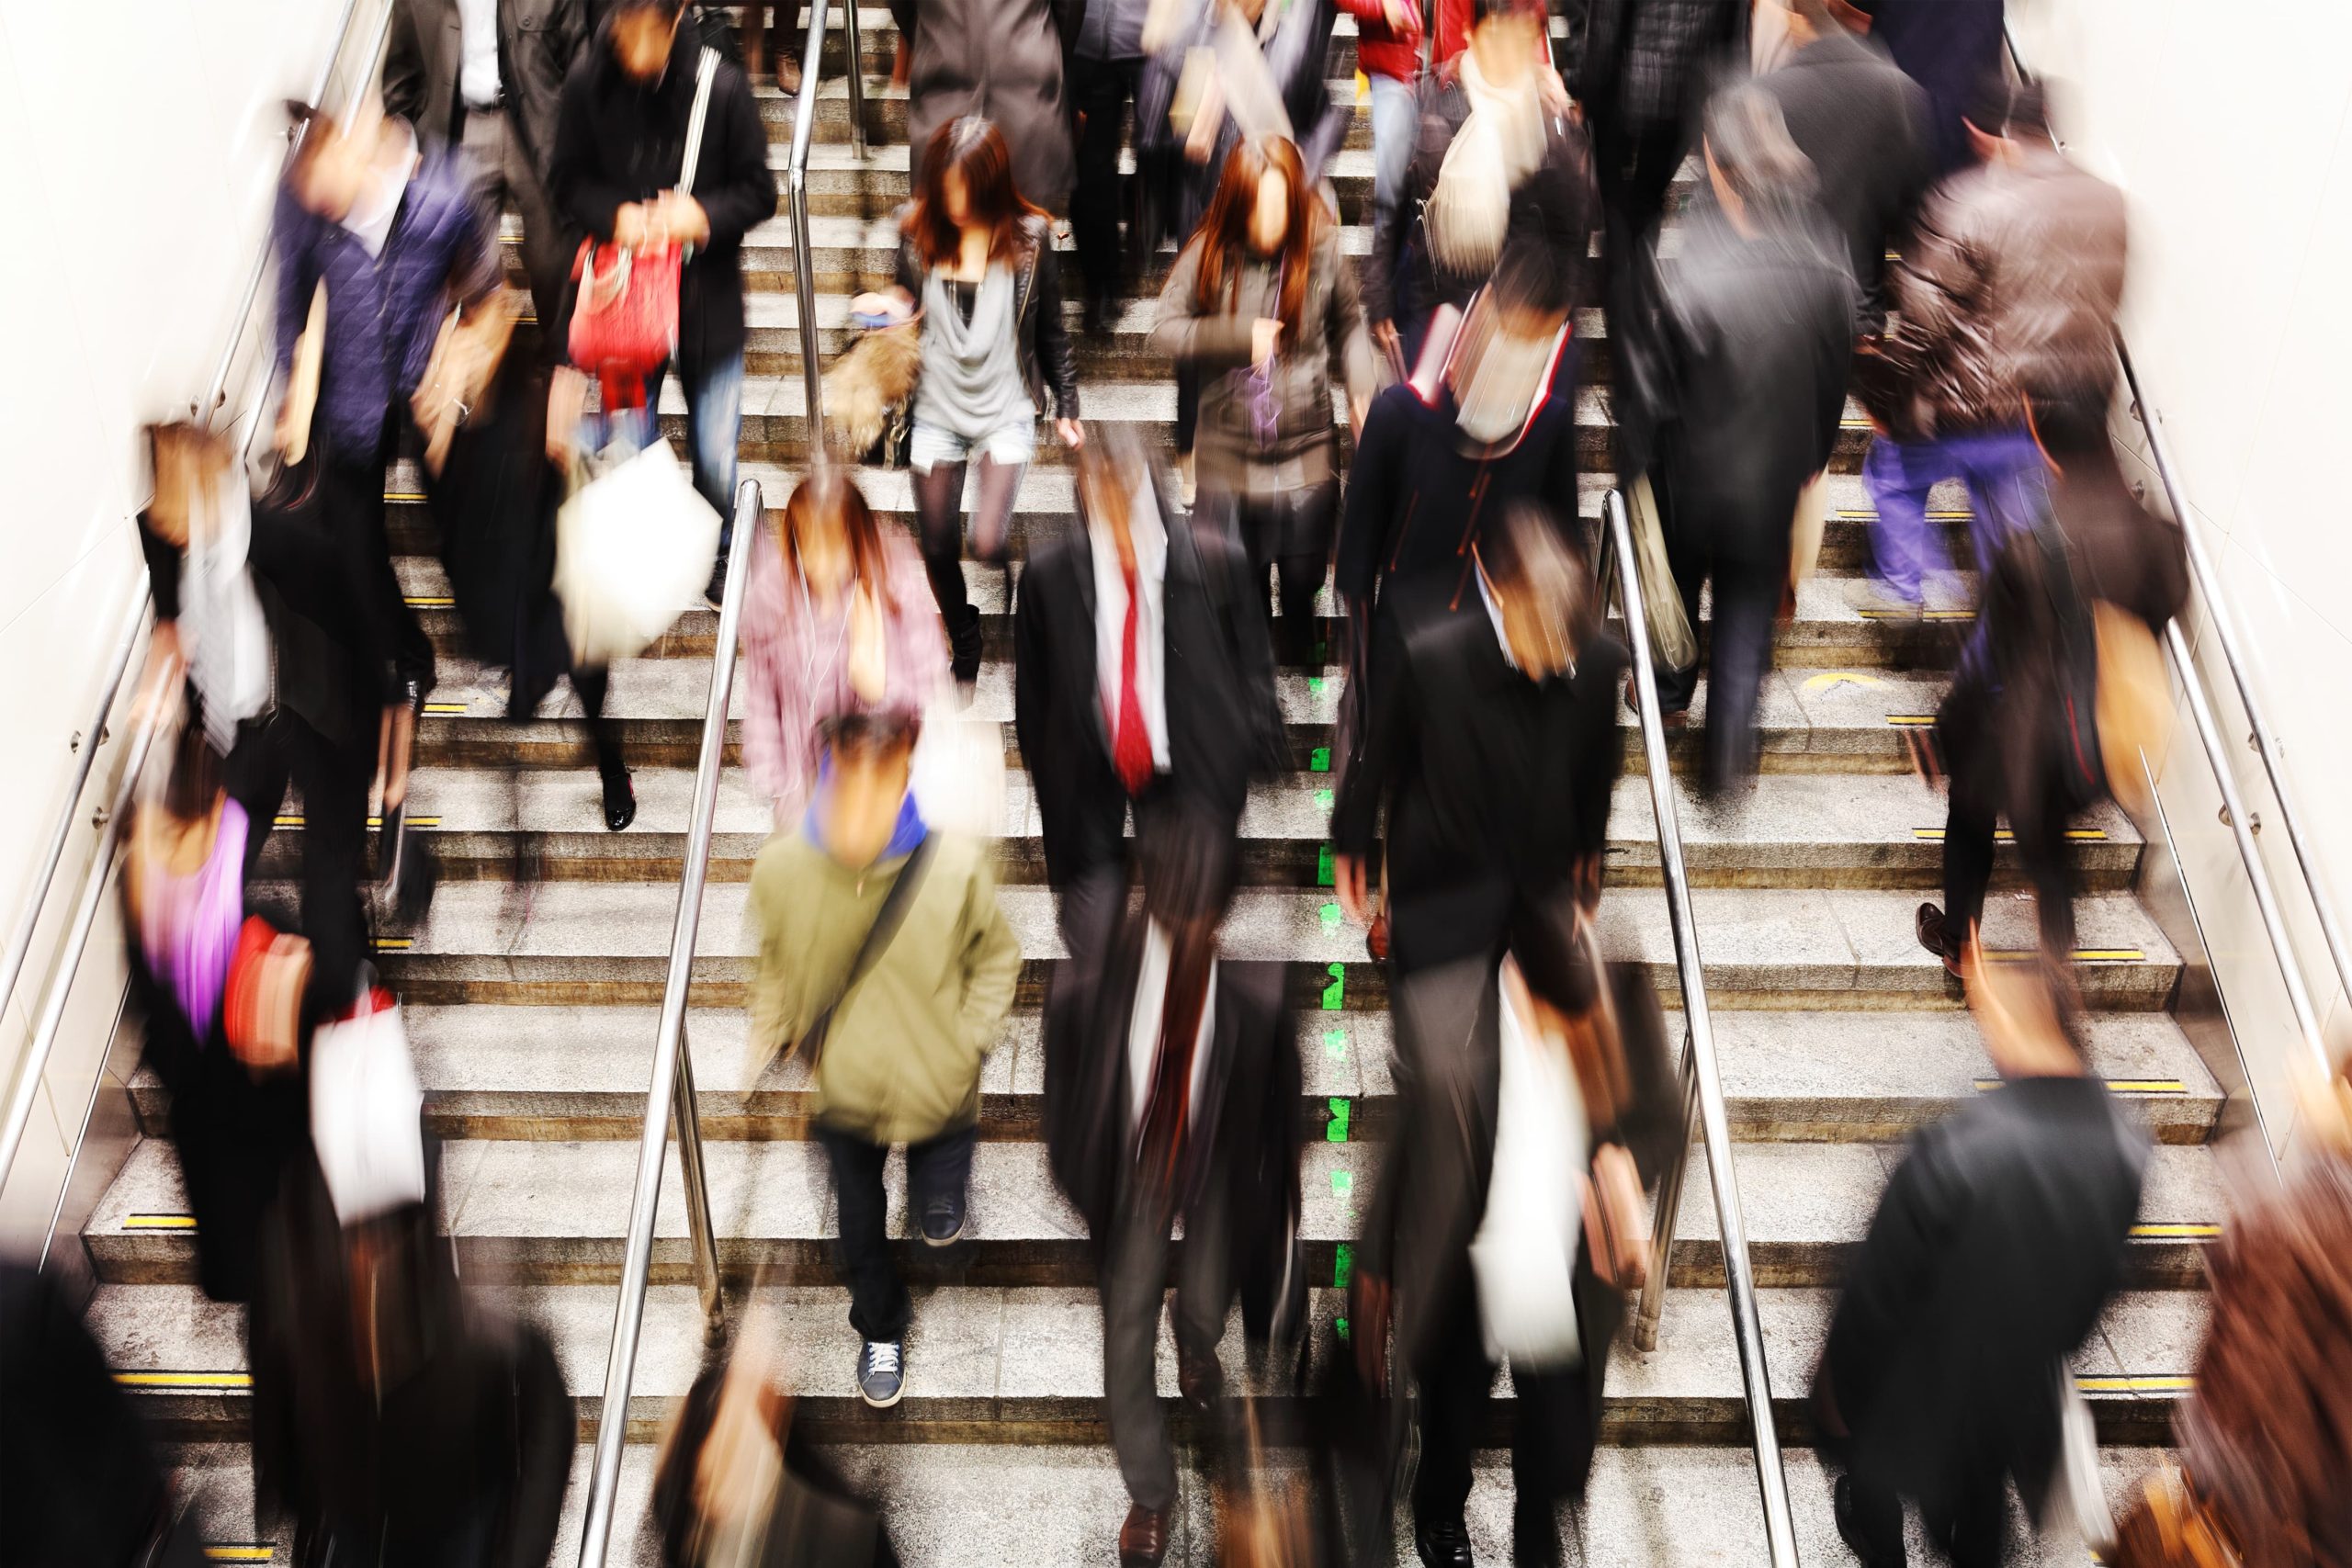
(620, 796)
(963, 646)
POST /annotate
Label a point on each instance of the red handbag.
(625, 314)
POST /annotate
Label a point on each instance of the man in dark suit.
(1863, 124)
(1201, 1069)
(487, 76)
(1143, 676)
(1999, 1240)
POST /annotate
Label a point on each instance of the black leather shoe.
(1842, 1509)
(620, 799)
(1443, 1543)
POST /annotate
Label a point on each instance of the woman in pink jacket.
(840, 620)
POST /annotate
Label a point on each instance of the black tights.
(593, 685)
(939, 514)
(1291, 533)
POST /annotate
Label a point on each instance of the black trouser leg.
(1188, 407)
(1454, 1380)
(1971, 1527)
(1103, 89)
(878, 1307)
(939, 516)
(1689, 555)
(940, 1167)
(2041, 834)
(334, 780)
(593, 685)
(1551, 1450)
(1877, 1517)
(1747, 597)
(1134, 1279)
(257, 772)
(356, 512)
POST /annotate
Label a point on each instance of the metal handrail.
(35, 1064)
(1702, 1082)
(795, 185)
(669, 1098)
(2260, 736)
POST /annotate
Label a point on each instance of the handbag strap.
(704, 73)
(878, 937)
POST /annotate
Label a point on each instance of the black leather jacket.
(1046, 360)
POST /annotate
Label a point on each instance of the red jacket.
(1384, 50)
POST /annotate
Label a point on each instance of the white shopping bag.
(1526, 1253)
(366, 1112)
(959, 772)
(633, 548)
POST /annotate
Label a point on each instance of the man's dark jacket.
(620, 140)
(1999, 1238)
(1495, 785)
(1865, 126)
(538, 43)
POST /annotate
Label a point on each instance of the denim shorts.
(1008, 445)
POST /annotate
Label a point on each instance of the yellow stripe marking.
(2117, 1086)
(294, 820)
(2175, 1232)
(428, 601)
(159, 1223)
(2003, 836)
(1863, 514)
(185, 1380)
(1917, 614)
(1911, 720)
(2146, 1383)
(242, 1553)
(391, 943)
(1829, 679)
(2080, 954)
(404, 495)
(445, 707)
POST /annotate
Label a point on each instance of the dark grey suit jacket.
(538, 40)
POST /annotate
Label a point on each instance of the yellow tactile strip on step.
(223, 1381)
(294, 820)
(2175, 1231)
(2148, 1382)
(2000, 835)
(159, 1222)
(242, 1551)
(2117, 1086)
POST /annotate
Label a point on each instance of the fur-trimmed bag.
(870, 393)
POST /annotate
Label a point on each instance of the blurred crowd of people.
(1376, 470)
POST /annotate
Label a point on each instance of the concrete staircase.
(532, 990)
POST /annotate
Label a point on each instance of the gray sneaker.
(1874, 600)
(942, 1219)
(882, 1372)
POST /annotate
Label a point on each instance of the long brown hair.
(975, 149)
(1224, 234)
(828, 489)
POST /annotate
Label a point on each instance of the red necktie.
(1130, 743)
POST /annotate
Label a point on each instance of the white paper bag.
(633, 548)
(1525, 1252)
(366, 1113)
(958, 777)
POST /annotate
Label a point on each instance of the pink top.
(797, 658)
(188, 925)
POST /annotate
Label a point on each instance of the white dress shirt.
(1111, 619)
(477, 67)
(1143, 1031)
(370, 221)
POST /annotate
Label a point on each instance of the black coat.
(1999, 1239)
(620, 140)
(1495, 787)
(1556, 206)
(1759, 337)
(1865, 126)
(1041, 338)
(1223, 728)
(1949, 47)
(1418, 490)
(538, 42)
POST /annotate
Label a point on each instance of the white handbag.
(632, 548)
(958, 778)
(366, 1113)
(1525, 1252)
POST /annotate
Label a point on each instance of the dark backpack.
(2072, 716)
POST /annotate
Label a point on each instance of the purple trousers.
(2007, 481)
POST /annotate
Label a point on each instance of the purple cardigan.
(382, 313)
(796, 664)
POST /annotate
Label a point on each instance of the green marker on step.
(1339, 1326)
(1323, 867)
(1343, 1266)
(1335, 1044)
(1343, 1183)
(1331, 913)
(1336, 1130)
(1319, 759)
(1315, 684)
(1322, 800)
(1335, 995)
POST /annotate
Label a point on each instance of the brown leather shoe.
(1199, 1381)
(1143, 1539)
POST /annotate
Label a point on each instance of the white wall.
(139, 147)
(2231, 129)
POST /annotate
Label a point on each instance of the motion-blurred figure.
(1492, 744)
(1759, 328)
(85, 1483)
(2009, 286)
(1107, 71)
(1205, 1128)
(977, 259)
(620, 148)
(1996, 1243)
(1496, 160)
(1000, 61)
(837, 620)
(1142, 681)
(1388, 55)
(885, 961)
(1260, 306)
(1952, 48)
(1863, 126)
(487, 76)
(2028, 729)
(1437, 462)
(236, 1119)
(2266, 1435)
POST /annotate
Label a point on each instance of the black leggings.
(939, 515)
(1290, 532)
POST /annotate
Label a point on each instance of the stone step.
(565, 943)
(541, 1213)
(580, 1073)
(1025, 1365)
(945, 1506)
(886, 109)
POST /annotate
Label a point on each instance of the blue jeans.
(2007, 479)
(1395, 124)
(714, 431)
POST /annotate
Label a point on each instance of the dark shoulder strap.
(877, 937)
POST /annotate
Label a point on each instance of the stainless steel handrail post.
(1699, 1063)
(856, 55)
(685, 1116)
(803, 266)
(662, 1096)
(1651, 1306)
(77, 939)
